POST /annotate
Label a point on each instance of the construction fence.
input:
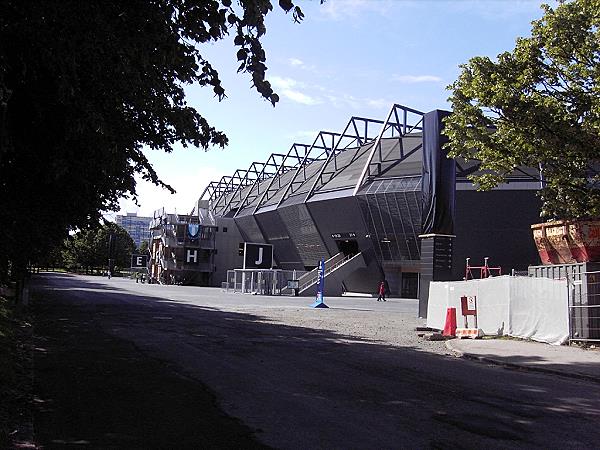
(523, 307)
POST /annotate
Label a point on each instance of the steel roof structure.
(366, 149)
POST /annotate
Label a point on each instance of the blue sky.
(348, 57)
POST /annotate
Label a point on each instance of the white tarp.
(530, 308)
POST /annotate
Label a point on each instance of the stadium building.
(377, 201)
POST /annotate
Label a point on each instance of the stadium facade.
(378, 201)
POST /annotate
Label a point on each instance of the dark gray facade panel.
(364, 280)
(495, 224)
(303, 234)
(227, 241)
(249, 229)
(339, 216)
(277, 234)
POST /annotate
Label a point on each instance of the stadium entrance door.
(349, 247)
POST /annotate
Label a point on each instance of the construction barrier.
(524, 307)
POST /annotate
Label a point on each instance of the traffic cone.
(450, 326)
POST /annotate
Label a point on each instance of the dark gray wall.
(339, 215)
(227, 244)
(495, 224)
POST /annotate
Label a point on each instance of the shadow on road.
(118, 370)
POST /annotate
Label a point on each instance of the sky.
(347, 58)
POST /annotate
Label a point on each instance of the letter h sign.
(191, 255)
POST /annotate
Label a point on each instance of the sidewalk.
(561, 360)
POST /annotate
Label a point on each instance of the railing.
(169, 264)
(171, 241)
(313, 279)
(315, 272)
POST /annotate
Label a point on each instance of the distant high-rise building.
(137, 227)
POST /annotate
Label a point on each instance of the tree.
(86, 85)
(143, 247)
(537, 106)
(89, 249)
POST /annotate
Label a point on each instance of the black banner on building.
(439, 177)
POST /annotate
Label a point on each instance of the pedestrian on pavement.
(381, 297)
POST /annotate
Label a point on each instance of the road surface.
(285, 375)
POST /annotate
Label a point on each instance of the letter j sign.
(258, 256)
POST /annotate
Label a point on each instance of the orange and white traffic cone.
(450, 326)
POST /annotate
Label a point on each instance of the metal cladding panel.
(307, 176)
(281, 183)
(245, 212)
(339, 216)
(258, 190)
(350, 163)
(303, 234)
(293, 200)
(277, 234)
(392, 213)
(249, 229)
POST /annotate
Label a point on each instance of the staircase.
(339, 264)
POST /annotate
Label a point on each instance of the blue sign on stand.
(319, 303)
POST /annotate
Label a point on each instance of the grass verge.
(15, 372)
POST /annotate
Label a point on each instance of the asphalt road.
(352, 376)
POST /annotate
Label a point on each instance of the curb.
(514, 366)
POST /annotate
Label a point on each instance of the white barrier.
(530, 308)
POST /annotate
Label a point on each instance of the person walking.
(381, 297)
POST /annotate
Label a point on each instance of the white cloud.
(344, 101)
(379, 103)
(417, 78)
(313, 94)
(292, 90)
(299, 97)
(343, 9)
(282, 83)
(298, 64)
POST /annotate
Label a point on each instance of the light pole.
(111, 247)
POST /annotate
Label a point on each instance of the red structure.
(485, 271)
(568, 241)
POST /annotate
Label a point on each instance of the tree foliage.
(90, 248)
(86, 85)
(538, 105)
(143, 247)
